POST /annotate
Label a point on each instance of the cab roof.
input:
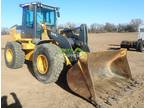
(39, 5)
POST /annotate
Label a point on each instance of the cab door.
(28, 23)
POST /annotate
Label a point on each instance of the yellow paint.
(67, 61)
(123, 52)
(9, 55)
(42, 64)
(29, 55)
(15, 34)
(27, 46)
(83, 56)
(44, 34)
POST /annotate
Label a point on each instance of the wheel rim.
(9, 55)
(42, 64)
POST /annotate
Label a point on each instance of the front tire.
(124, 44)
(48, 62)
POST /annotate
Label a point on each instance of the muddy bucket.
(99, 74)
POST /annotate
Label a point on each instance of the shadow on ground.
(114, 47)
(16, 103)
(117, 47)
(62, 81)
(30, 67)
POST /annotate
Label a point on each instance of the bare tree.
(96, 28)
(109, 27)
(121, 27)
(93, 28)
(4, 31)
(136, 23)
(70, 25)
(60, 26)
(132, 26)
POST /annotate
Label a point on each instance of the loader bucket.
(97, 75)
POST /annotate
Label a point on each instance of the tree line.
(132, 26)
(4, 31)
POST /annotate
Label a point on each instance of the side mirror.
(58, 14)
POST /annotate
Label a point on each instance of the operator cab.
(36, 14)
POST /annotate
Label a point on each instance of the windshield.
(46, 16)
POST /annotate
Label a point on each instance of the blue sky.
(79, 11)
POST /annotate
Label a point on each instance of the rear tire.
(14, 55)
(55, 62)
(124, 44)
(140, 45)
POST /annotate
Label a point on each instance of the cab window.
(46, 16)
(50, 18)
(29, 18)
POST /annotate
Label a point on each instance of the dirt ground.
(21, 89)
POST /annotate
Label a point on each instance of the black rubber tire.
(55, 59)
(123, 44)
(18, 55)
(140, 45)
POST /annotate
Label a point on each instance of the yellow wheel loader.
(91, 75)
